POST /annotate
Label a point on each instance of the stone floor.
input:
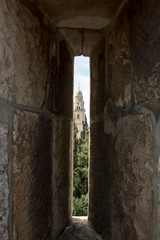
(79, 229)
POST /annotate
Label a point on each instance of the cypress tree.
(80, 171)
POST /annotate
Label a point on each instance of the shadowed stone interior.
(79, 229)
(38, 42)
(89, 14)
(133, 170)
(31, 176)
(23, 40)
(4, 184)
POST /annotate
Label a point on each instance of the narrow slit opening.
(81, 135)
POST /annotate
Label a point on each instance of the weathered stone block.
(98, 82)
(120, 65)
(91, 41)
(100, 179)
(4, 187)
(32, 197)
(110, 113)
(62, 174)
(145, 35)
(61, 97)
(132, 191)
(74, 38)
(79, 229)
(158, 212)
(24, 54)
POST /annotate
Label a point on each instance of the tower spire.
(79, 111)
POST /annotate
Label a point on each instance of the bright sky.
(82, 77)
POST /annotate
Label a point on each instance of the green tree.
(84, 133)
(80, 171)
(75, 146)
(80, 205)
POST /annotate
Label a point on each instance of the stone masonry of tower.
(38, 42)
(79, 112)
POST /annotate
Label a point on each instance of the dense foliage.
(80, 171)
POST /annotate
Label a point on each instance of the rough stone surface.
(158, 214)
(126, 173)
(90, 41)
(32, 197)
(24, 55)
(100, 180)
(52, 77)
(99, 170)
(81, 41)
(81, 230)
(92, 14)
(145, 35)
(120, 65)
(4, 187)
(98, 90)
(61, 96)
(74, 38)
(62, 174)
(109, 117)
(132, 190)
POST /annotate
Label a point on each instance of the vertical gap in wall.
(81, 135)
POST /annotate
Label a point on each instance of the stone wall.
(25, 125)
(99, 164)
(132, 118)
(145, 57)
(62, 106)
(32, 174)
(4, 182)
(132, 199)
(36, 89)
(36, 84)
(24, 55)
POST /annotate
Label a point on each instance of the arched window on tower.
(78, 116)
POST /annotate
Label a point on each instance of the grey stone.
(120, 65)
(62, 174)
(132, 190)
(23, 61)
(4, 185)
(79, 229)
(145, 34)
(74, 38)
(100, 179)
(61, 95)
(158, 213)
(91, 41)
(32, 191)
(79, 14)
(124, 184)
(99, 170)
(98, 88)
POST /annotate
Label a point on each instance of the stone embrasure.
(32, 204)
(92, 14)
(36, 70)
(79, 229)
(132, 178)
(4, 189)
(145, 29)
(120, 66)
(23, 61)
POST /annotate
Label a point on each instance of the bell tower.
(79, 112)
